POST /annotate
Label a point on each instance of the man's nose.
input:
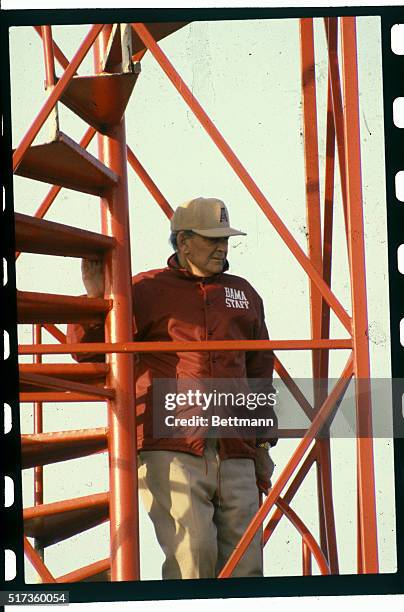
(222, 245)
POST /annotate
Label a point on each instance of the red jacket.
(172, 304)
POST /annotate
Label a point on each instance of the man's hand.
(264, 468)
(93, 277)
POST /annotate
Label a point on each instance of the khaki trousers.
(200, 508)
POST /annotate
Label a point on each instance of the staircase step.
(63, 162)
(39, 382)
(112, 60)
(100, 571)
(158, 31)
(86, 372)
(34, 235)
(101, 100)
(45, 448)
(52, 308)
(57, 521)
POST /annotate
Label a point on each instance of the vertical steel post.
(367, 525)
(49, 55)
(50, 77)
(334, 82)
(124, 528)
(38, 428)
(306, 560)
(324, 471)
(331, 31)
(328, 538)
(313, 214)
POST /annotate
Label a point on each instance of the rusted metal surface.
(63, 162)
(39, 236)
(124, 543)
(55, 95)
(367, 523)
(44, 448)
(100, 100)
(53, 308)
(57, 521)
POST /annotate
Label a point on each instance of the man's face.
(205, 256)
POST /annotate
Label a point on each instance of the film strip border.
(11, 523)
(393, 72)
(393, 88)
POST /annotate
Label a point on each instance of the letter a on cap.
(223, 215)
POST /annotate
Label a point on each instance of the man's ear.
(181, 238)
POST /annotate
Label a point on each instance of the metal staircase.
(101, 100)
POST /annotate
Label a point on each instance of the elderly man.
(200, 492)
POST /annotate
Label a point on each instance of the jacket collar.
(174, 265)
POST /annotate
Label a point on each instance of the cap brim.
(219, 232)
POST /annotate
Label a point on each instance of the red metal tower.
(101, 101)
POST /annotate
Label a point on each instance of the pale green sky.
(246, 75)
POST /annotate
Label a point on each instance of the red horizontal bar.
(88, 571)
(66, 505)
(55, 396)
(175, 347)
(59, 384)
(72, 371)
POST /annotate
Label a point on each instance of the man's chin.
(217, 266)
